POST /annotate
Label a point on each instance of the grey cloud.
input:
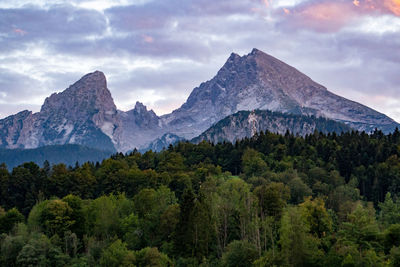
(157, 14)
(59, 24)
(14, 85)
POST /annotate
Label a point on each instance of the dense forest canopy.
(269, 200)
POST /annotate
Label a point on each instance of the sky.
(157, 51)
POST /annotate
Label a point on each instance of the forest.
(270, 200)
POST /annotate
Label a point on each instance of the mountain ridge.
(260, 81)
(249, 123)
(85, 113)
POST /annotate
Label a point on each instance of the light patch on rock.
(252, 120)
(108, 129)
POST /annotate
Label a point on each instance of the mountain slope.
(260, 81)
(245, 124)
(139, 127)
(162, 142)
(85, 112)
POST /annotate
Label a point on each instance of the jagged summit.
(85, 112)
(85, 97)
(96, 75)
(260, 81)
(91, 82)
(139, 107)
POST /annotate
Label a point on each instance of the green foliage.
(360, 229)
(56, 217)
(253, 164)
(299, 247)
(271, 200)
(116, 254)
(239, 254)
(390, 211)
(9, 219)
(152, 257)
(316, 217)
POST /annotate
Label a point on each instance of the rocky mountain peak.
(85, 112)
(256, 51)
(233, 57)
(260, 81)
(139, 107)
(96, 77)
(88, 94)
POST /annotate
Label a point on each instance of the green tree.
(12, 244)
(34, 253)
(56, 217)
(360, 229)
(316, 216)
(9, 219)
(298, 247)
(152, 257)
(116, 254)
(239, 254)
(392, 237)
(272, 199)
(298, 190)
(252, 163)
(390, 211)
(78, 216)
(23, 187)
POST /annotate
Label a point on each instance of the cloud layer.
(157, 51)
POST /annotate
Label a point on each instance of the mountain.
(139, 127)
(162, 142)
(85, 112)
(246, 123)
(67, 154)
(260, 81)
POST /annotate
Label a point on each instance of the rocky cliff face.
(11, 128)
(247, 123)
(260, 81)
(139, 127)
(162, 142)
(85, 112)
(82, 114)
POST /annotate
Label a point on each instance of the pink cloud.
(322, 17)
(393, 6)
(332, 15)
(266, 3)
(20, 31)
(148, 39)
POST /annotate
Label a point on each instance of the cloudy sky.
(157, 51)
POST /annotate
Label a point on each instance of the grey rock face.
(85, 113)
(139, 128)
(260, 81)
(82, 114)
(247, 123)
(11, 127)
(163, 142)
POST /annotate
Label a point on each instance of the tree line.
(269, 200)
